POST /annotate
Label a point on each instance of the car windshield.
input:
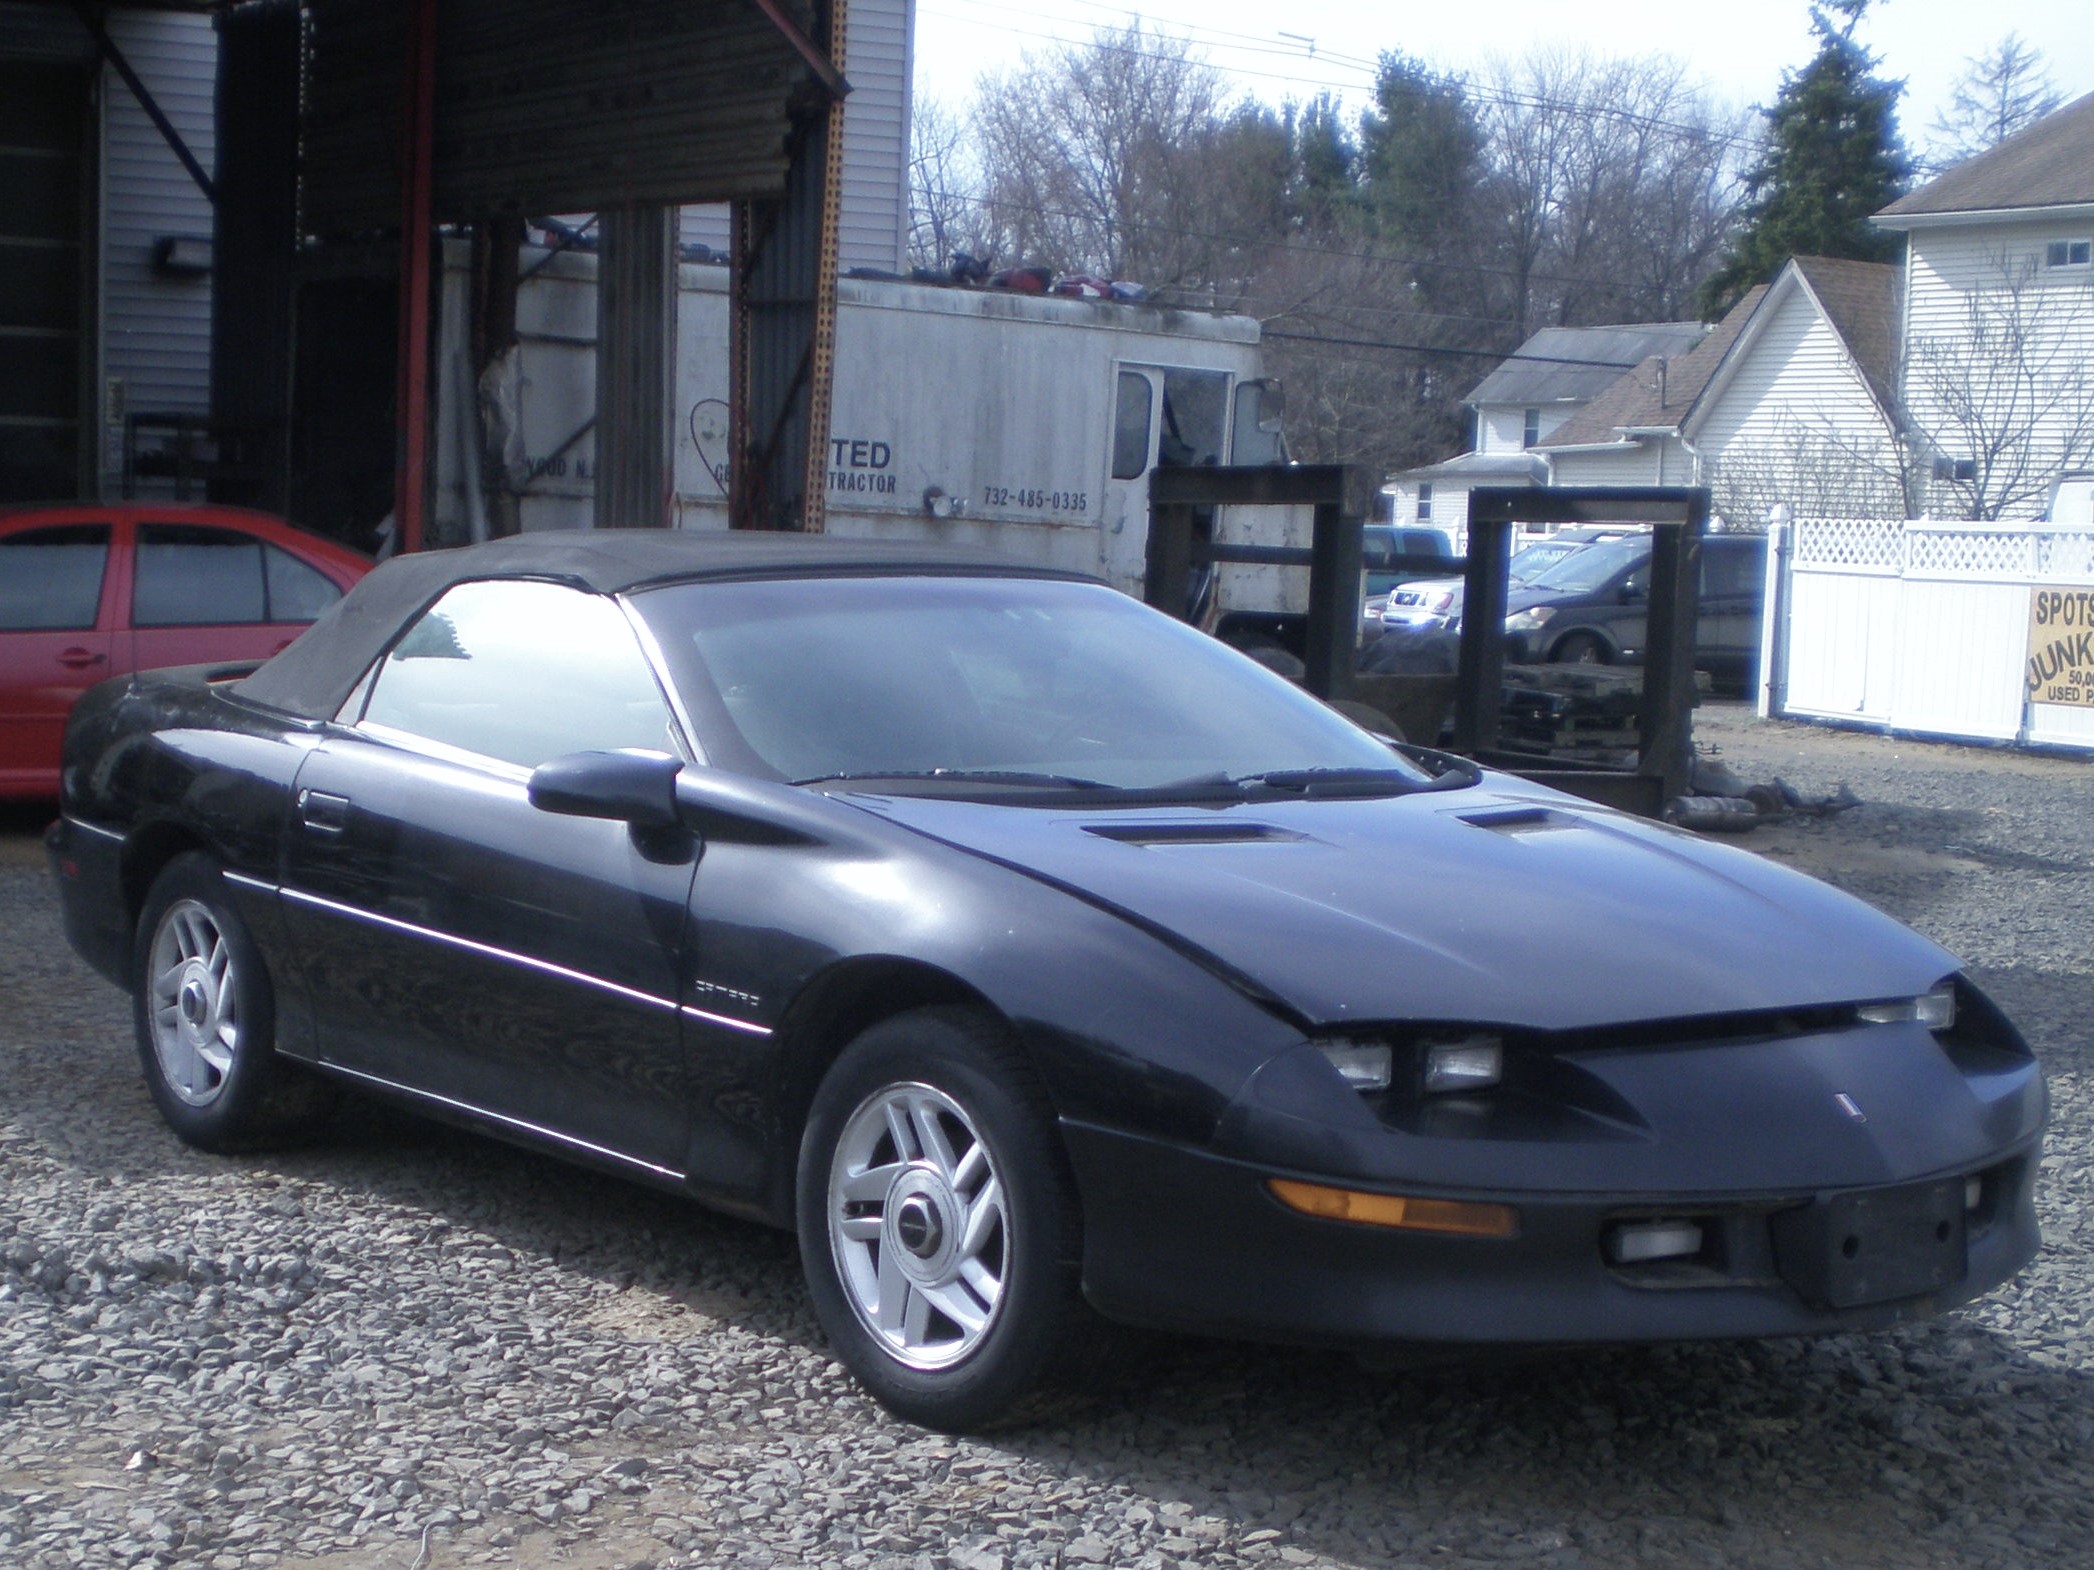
(1528, 563)
(1590, 566)
(1002, 682)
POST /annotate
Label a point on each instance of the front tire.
(205, 1016)
(1580, 648)
(939, 1226)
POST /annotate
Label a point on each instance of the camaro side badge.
(1847, 1105)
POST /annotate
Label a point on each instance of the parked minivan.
(1592, 607)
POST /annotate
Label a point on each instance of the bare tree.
(1817, 469)
(2000, 92)
(1613, 183)
(2001, 395)
(1090, 155)
(947, 215)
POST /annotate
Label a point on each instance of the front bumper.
(1179, 1238)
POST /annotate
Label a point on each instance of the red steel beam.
(417, 167)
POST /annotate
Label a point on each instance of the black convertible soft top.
(315, 675)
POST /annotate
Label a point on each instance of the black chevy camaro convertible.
(1041, 961)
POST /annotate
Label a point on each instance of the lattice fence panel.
(1848, 542)
(2065, 554)
(1986, 553)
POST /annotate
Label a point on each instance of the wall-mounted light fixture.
(182, 256)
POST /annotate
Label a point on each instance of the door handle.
(322, 813)
(80, 659)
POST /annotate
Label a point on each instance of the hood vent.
(1517, 821)
(1194, 833)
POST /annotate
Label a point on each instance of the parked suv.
(1384, 545)
(1592, 607)
(1436, 602)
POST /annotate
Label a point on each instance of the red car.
(93, 590)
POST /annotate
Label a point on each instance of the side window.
(51, 579)
(1726, 573)
(1257, 438)
(522, 672)
(297, 592)
(193, 576)
(1130, 427)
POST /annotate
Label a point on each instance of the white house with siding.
(1788, 401)
(1801, 412)
(1522, 403)
(1998, 322)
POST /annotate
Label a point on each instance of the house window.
(1424, 501)
(2069, 253)
(1530, 433)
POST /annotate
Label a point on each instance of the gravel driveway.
(411, 1347)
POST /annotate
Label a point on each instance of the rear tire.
(939, 1226)
(205, 1015)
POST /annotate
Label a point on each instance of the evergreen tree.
(1423, 179)
(1833, 157)
(1323, 180)
(1421, 153)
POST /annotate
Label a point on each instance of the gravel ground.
(410, 1347)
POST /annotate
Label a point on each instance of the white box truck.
(1025, 423)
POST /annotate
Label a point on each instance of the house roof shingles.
(1558, 364)
(2049, 164)
(1658, 393)
(1861, 301)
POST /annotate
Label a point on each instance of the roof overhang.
(2061, 212)
(1627, 443)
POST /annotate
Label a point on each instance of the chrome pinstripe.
(509, 956)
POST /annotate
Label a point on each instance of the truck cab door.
(1131, 454)
(1161, 414)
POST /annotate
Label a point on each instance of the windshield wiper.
(963, 777)
(1453, 774)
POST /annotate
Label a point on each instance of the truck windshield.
(925, 680)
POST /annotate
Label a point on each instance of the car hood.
(1504, 903)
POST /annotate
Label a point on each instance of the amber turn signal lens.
(1455, 1216)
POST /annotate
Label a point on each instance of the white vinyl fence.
(1917, 626)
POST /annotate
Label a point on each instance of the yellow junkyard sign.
(2061, 647)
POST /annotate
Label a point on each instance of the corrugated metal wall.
(156, 329)
(550, 107)
(874, 228)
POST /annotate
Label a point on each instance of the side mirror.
(630, 787)
(1632, 591)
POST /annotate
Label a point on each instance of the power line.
(1470, 88)
(1434, 348)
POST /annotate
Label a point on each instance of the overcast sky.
(1276, 49)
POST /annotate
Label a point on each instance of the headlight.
(1471, 1063)
(1529, 620)
(1936, 1010)
(1364, 1065)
